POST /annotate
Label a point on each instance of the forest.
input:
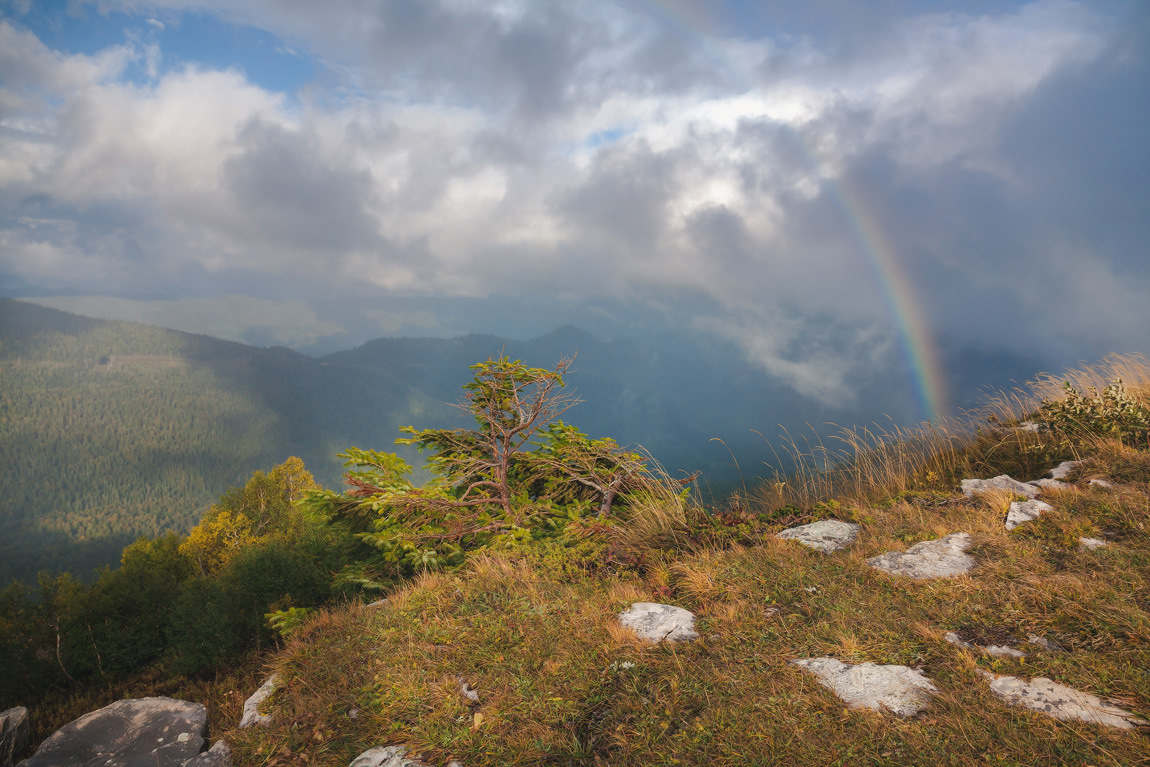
(113, 430)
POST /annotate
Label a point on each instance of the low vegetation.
(504, 575)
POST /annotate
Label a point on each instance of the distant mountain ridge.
(110, 430)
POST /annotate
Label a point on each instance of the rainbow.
(898, 292)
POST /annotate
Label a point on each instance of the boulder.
(14, 734)
(940, 558)
(142, 731)
(826, 535)
(971, 487)
(1059, 701)
(1063, 470)
(252, 713)
(387, 756)
(898, 689)
(1025, 511)
(657, 623)
(219, 755)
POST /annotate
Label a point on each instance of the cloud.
(599, 152)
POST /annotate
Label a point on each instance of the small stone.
(14, 734)
(1063, 470)
(1044, 643)
(971, 487)
(826, 535)
(1090, 544)
(999, 651)
(656, 623)
(466, 690)
(940, 558)
(1051, 484)
(1029, 426)
(898, 689)
(387, 756)
(1059, 701)
(1025, 511)
(1102, 484)
(252, 714)
(376, 603)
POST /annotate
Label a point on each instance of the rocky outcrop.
(941, 558)
(1025, 511)
(252, 715)
(898, 689)
(826, 535)
(14, 733)
(1059, 701)
(972, 487)
(387, 756)
(157, 732)
(658, 623)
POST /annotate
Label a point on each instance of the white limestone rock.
(1059, 701)
(376, 604)
(219, 755)
(971, 487)
(1090, 544)
(998, 651)
(1063, 470)
(1051, 484)
(827, 535)
(1030, 426)
(1102, 484)
(252, 715)
(387, 756)
(1025, 511)
(941, 558)
(656, 623)
(898, 689)
(1044, 643)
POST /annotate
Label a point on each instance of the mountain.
(111, 430)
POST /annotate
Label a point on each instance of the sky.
(840, 189)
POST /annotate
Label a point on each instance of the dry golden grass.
(562, 683)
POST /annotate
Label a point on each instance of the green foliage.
(1112, 413)
(519, 477)
(287, 622)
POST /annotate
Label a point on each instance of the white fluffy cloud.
(586, 150)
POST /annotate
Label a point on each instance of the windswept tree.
(520, 474)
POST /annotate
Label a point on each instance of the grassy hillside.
(534, 629)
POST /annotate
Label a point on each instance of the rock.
(467, 691)
(825, 535)
(219, 755)
(1044, 643)
(376, 604)
(1063, 470)
(252, 714)
(940, 558)
(899, 689)
(1059, 701)
(971, 487)
(141, 731)
(998, 651)
(1051, 484)
(1025, 511)
(387, 756)
(1102, 484)
(656, 622)
(1030, 426)
(1090, 544)
(14, 734)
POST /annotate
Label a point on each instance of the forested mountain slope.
(111, 430)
